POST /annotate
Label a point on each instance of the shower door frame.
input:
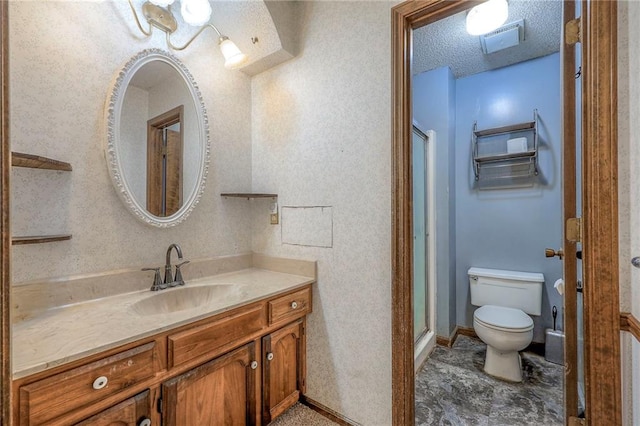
(427, 340)
(599, 201)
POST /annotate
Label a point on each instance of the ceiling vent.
(506, 36)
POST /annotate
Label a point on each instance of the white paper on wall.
(307, 226)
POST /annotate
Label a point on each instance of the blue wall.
(434, 109)
(510, 228)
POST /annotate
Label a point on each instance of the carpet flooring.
(301, 415)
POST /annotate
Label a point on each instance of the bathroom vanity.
(228, 349)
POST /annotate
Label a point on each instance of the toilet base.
(503, 365)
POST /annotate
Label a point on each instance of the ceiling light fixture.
(194, 12)
(487, 16)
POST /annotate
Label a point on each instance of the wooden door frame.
(5, 232)
(166, 119)
(599, 203)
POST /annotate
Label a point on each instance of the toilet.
(502, 321)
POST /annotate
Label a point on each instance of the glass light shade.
(162, 3)
(233, 57)
(195, 12)
(487, 16)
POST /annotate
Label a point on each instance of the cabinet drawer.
(290, 306)
(49, 398)
(211, 339)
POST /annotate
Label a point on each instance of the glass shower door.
(420, 246)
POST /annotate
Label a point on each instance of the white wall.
(133, 130)
(321, 137)
(629, 197)
(64, 57)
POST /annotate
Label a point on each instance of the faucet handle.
(178, 279)
(157, 280)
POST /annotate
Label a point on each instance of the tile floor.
(452, 389)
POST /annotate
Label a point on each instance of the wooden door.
(284, 369)
(165, 140)
(155, 170)
(135, 411)
(221, 392)
(173, 173)
(569, 211)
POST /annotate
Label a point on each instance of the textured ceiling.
(446, 42)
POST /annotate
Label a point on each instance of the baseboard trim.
(631, 324)
(467, 331)
(327, 412)
(448, 341)
(535, 347)
(443, 341)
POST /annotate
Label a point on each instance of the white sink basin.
(184, 298)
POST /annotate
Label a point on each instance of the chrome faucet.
(168, 273)
(170, 280)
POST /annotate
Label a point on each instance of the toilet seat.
(503, 319)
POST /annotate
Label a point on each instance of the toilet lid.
(506, 318)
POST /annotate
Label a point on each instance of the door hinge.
(572, 32)
(159, 405)
(577, 421)
(573, 230)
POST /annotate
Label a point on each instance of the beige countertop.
(68, 333)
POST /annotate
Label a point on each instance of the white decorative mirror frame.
(113, 149)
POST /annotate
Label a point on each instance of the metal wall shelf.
(494, 166)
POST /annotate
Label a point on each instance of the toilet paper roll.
(559, 286)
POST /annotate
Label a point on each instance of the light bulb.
(233, 57)
(195, 12)
(487, 16)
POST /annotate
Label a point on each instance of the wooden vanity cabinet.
(225, 391)
(135, 411)
(79, 388)
(284, 369)
(241, 367)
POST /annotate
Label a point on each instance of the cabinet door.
(134, 411)
(284, 355)
(221, 392)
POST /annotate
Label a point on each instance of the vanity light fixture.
(487, 16)
(194, 12)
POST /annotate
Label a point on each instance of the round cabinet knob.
(636, 262)
(269, 356)
(294, 305)
(145, 422)
(100, 382)
(254, 365)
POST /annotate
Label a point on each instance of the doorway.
(497, 112)
(165, 141)
(599, 231)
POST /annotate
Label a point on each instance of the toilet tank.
(512, 289)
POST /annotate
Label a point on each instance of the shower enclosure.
(423, 252)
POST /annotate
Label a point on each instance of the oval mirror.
(157, 138)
